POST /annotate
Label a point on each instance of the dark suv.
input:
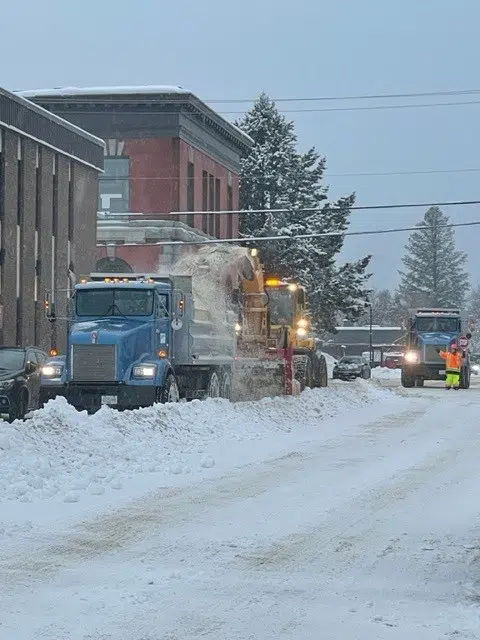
(20, 380)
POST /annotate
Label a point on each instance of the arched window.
(113, 265)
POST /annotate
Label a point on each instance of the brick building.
(48, 207)
(166, 150)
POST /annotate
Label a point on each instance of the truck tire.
(303, 371)
(226, 384)
(465, 378)
(321, 372)
(214, 386)
(169, 392)
(407, 381)
(419, 382)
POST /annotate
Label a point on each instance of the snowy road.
(363, 525)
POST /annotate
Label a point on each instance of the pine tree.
(434, 267)
(473, 316)
(276, 176)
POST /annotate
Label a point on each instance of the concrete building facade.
(166, 151)
(48, 208)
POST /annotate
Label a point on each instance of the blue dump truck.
(137, 339)
(427, 330)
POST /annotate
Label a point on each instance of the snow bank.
(384, 373)
(69, 455)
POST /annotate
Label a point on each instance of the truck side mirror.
(30, 368)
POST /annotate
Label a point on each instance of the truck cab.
(427, 331)
(120, 350)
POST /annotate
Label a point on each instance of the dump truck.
(137, 339)
(429, 329)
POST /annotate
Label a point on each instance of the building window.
(211, 204)
(230, 208)
(2, 176)
(205, 200)
(70, 202)
(114, 187)
(20, 181)
(55, 197)
(38, 189)
(191, 193)
(217, 208)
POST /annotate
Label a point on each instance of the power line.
(378, 96)
(328, 175)
(412, 205)
(375, 108)
(304, 236)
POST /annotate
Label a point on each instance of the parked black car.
(350, 367)
(20, 380)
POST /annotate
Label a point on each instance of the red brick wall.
(158, 179)
(153, 174)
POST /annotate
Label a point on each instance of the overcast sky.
(222, 50)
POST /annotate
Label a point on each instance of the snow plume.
(211, 268)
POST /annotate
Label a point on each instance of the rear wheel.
(226, 385)
(213, 390)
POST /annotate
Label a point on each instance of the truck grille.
(94, 362)
(431, 356)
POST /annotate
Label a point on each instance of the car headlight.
(6, 384)
(52, 370)
(301, 332)
(411, 357)
(144, 371)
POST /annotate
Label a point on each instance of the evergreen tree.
(276, 176)
(473, 316)
(434, 267)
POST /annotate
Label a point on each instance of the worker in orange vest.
(454, 361)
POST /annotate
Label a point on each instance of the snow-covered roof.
(151, 90)
(100, 91)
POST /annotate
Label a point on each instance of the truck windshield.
(436, 324)
(280, 304)
(115, 302)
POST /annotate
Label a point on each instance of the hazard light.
(273, 282)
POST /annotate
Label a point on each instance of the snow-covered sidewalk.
(349, 512)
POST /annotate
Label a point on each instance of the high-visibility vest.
(453, 361)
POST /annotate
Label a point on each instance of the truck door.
(162, 341)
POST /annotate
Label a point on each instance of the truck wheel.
(169, 392)
(321, 378)
(407, 381)
(226, 385)
(465, 378)
(419, 382)
(213, 390)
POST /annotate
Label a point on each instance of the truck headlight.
(411, 357)
(6, 384)
(144, 371)
(301, 332)
(52, 370)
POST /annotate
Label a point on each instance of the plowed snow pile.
(63, 454)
